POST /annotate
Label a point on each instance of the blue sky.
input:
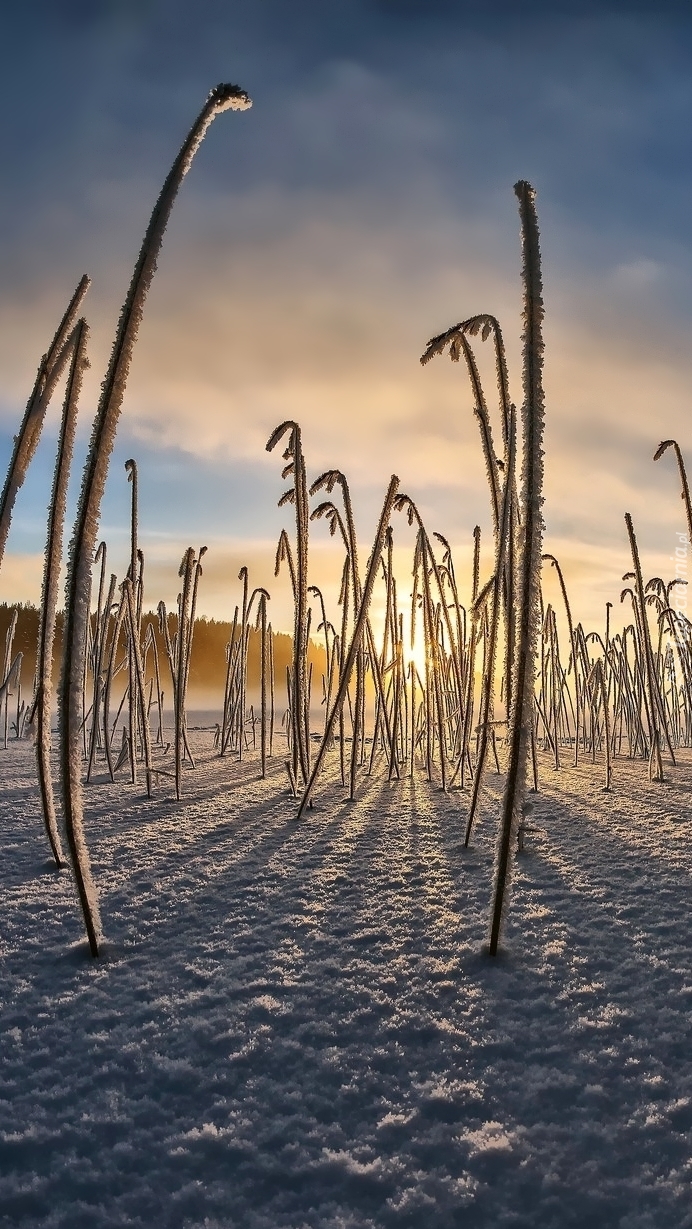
(362, 205)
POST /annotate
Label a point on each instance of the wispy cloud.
(364, 204)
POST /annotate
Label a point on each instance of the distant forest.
(207, 664)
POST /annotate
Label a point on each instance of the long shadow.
(332, 1045)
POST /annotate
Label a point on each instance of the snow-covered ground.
(294, 1024)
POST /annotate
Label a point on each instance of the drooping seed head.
(662, 447)
(227, 97)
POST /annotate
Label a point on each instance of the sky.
(364, 204)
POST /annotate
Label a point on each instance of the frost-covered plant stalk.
(100, 556)
(471, 657)
(187, 569)
(347, 528)
(139, 682)
(52, 366)
(426, 564)
(528, 613)
(234, 732)
(356, 639)
(351, 583)
(133, 619)
(685, 493)
(7, 673)
(575, 656)
(12, 679)
(150, 641)
(501, 548)
(600, 692)
(99, 714)
(298, 496)
(241, 663)
(108, 684)
(653, 694)
(261, 625)
(457, 339)
(78, 594)
(229, 690)
(49, 597)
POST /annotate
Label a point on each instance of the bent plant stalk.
(575, 659)
(351, 574)
(356, 639)
(297, 495)
(502, 546)
(52, 366)
(655, 761)
(99, 714)
(51, 572)
(685, 493)
(78, 593)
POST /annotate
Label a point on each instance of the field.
(399, 935)
(294, 1024)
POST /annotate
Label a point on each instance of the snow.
(294, 1024)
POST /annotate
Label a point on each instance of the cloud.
(362, 206)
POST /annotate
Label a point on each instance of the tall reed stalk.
(78, 592)
(356, 639)
(575, 658)
(528, 621)
(502, 546)
(133, 619)
(49, 598)
(298, 496)
(653, 695)
(50, 370)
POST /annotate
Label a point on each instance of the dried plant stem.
(521, 715)
(133, 687)
(264, 664)
(186, 572)
(655, 761)
(298, 495)
(599, 683)
(52, 366)
(51, 572)
(150, 639)
(78, 592)
(471, 656)
(139, 677)
(685, 493)
(110, 675)
(575, 657)
(502, 544)
(101, 627)
(356, 639)
(7, 673)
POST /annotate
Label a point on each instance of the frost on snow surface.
(293, 1024)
